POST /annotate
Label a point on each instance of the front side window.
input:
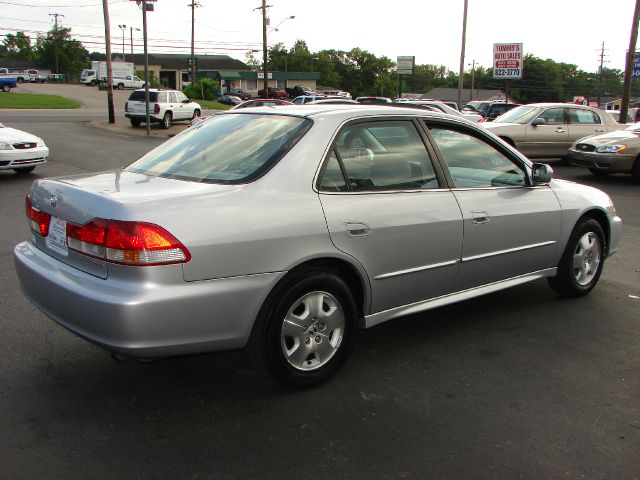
(379, 156)
(577, 115)
(473, 163)
(229, 148)
(182, 97)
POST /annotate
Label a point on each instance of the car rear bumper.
(23, 158)
(142, 117)
(144, 319)
(607, 162)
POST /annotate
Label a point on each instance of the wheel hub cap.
(312, 330)
(586, 258)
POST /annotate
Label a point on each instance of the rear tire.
(635, 171)
(582, 261)
(305, 329)
(22, 171)
(135, 122)
(166, 120)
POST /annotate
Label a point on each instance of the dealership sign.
(507, 60)
(405, 65)
(636, 65)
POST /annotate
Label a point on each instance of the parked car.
(495, 109)
(336, 93)
(300, 90)
(613, 152)
(304, 99)
(444, 108)
(477, 106)
(615, 114)
(128, 81)
(453, 105)
(549, 129)
(165, 107)
(274, 92)
(283, 230)
(373, 100)
(333, 100)
(238, 92)
(20, 151)
(262, 102)
(229, 100)
(7, 83)
(55, 78)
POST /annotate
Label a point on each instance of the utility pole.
(624, 106)
(146, 66)
(55, 43)
(473, 74)
(131, 29)
(193, 6)
(107, 37)
(464, 40)
(265, 71)
(600, 73)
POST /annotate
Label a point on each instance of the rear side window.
(379, 156)
(138, 96)
(577, 115)
(229, 148)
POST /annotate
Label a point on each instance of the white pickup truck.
(128, 81)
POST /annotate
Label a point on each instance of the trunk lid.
(81, 198)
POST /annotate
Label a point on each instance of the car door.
(510, 227)
(186, 107)
(548, 139)
(386, 206)
(582, 123)
(174, 106)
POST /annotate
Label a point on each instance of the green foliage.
(32, 100)
(57, 43)
(202, 89)
(153, 81)
(17, 47)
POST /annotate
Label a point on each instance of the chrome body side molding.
(416, 269)
(509, 250)
(381, 317)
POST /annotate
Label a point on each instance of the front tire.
(121, 86)
(196, 114)
(166, 120)
(582, 261)
(6, 88)
(305, 329)
(599, 173)
(635, 171)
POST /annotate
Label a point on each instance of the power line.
(59, 6)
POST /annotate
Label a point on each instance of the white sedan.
(20, 151)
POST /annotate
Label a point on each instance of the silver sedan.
(282, 230)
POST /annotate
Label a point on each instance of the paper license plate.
(57, 238)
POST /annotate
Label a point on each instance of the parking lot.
(516, 384)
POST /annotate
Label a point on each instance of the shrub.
(153, 82)
(202, 89)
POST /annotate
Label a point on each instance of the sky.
(570, 31)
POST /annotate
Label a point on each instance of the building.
(451, 95)
(172, 71)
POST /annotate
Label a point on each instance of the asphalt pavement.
(517, 384)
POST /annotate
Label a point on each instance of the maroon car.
(274, 92)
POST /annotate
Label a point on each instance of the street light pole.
(124, 29)
(131, 29)
(464, 40)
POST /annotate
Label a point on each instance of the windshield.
(523, 114)
(478, 106)
(138, 96)
(228, 148)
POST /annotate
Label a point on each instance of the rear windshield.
(138, 96)
(228, 148)
(522, 114)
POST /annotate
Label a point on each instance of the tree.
(17, 47)
(252, 61)
(71, 55)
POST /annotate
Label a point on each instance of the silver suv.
(165, 106)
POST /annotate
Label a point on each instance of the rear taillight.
(129, 243)
(481, 120)
(38, 221)
(156, 108)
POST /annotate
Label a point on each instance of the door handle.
(356, 229)
(599, 130)
(480, 217)
(560, 130)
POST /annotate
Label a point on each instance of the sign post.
(404, 66)
(507, 61)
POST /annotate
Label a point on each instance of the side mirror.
(539, 121)
(541, 173)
